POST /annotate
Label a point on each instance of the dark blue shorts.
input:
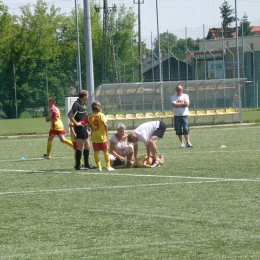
(181, 124)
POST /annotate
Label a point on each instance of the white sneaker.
(110, 169)
(155, 164)
(99, 169)
(182, 145)
(189, 145)
(45, 156)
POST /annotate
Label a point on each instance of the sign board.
(69, 101)
(208, 55)
(216, 67)
(233, 64)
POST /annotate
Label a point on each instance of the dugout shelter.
(155, 96)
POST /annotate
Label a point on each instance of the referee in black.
(77, 113)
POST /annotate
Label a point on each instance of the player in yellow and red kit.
(98, 123)
(73, 138)
(57, 128)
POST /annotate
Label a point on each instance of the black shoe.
(81, 167)
(91, 167)
(45, 156)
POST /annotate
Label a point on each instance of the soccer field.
(203, 203)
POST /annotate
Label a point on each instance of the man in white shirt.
(180, 103)
(148, 133)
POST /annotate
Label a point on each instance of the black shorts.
(159, 132)
(118, 162)
(81, 132)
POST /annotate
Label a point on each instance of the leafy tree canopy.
(244, 28)
(227, 19)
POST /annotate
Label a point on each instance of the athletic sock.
(97, 160)
(68, 142)
(75, 158)
(78, 158)
(107, 159)
(86, 157)
(49, 146)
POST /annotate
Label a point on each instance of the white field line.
(175, 243)
(104, 187)
(163, 216)
(193, 151)
(200, 180)
(132, 175)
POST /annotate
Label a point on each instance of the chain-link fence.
(43, 49)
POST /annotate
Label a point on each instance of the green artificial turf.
(203, 203)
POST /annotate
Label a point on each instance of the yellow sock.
(75, 161)
(68, 142)
(97, 159)
(106, 155)
(49, 146)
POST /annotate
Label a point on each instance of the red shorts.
(75, 145)
(56, 132)
(100, 146)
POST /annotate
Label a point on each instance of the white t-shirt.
(146, 130)
(180, 111)
(121, 148)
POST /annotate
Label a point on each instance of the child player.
(97, 121)
(57, 128)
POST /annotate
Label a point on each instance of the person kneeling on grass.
(119, 149)
(148, 133)
(98, 123)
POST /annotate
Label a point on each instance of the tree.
(244, 28)
(121, 31)
(9, 31)
(168, 43)
(38, 53)
(184, 44)
(68, 34)
(41, 55)
(121, 45)
(33, 53)
(227, 19)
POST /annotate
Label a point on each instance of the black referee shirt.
(78, 110)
